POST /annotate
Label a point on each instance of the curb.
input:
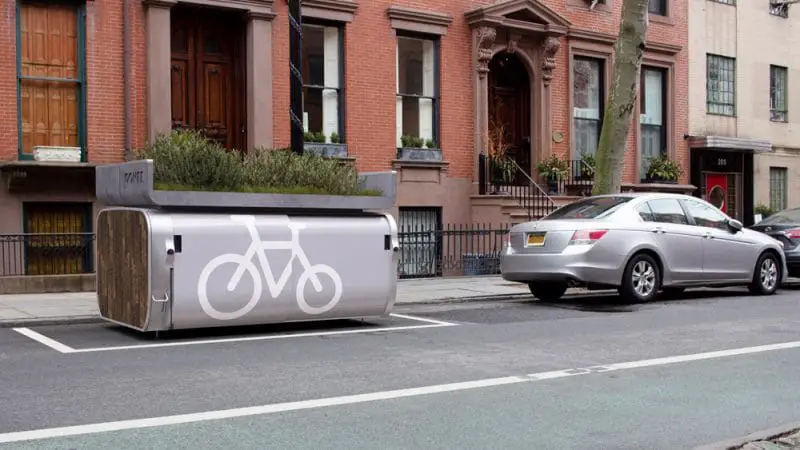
(72, 320)
(764, 435)
(46, 321)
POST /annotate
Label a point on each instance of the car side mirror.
(735, 225)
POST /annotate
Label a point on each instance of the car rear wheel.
(548, 291)
(767, 275)
(641, 280)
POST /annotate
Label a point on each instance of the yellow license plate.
(536, 240)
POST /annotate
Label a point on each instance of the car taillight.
(586, 237)
(792, 234)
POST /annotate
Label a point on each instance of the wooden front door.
(208, 82)
(509, 105)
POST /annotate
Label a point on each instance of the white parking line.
(62, 348)
(42, 339)
(151, 422)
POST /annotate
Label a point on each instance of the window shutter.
(428, 78)
(330, 95)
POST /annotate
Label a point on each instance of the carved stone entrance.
(531, 32)
(510, 106)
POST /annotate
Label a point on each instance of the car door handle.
(658, 230)
(708, 236)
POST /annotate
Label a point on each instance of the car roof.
(646, 195)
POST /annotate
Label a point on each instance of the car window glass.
(706, 215)
(786, 216)
(590, 208)
(668, 210)
(645, 212)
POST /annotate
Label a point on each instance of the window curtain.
(651, 118)
(399, 100)
(426, 104)
(586, 110)
(330, 95)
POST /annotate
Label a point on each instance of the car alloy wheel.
(643, 277)
(641, 280)
(768, 274)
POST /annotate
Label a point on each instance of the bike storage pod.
(179, 260)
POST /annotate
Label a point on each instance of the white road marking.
(423, 319)
(151, 422)
(52, 343)
(42, 339)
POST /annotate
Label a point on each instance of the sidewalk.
(28, 309)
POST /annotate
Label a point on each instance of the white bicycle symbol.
(245, 264)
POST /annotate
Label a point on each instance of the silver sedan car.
(640, 244)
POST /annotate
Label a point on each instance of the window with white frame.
(417, 92)
(322, 82)
(587, 104)
(653, 114)
(777, 93)
(777, 188)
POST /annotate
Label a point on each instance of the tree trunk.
(622, 98)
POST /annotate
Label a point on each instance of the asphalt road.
(477, 375)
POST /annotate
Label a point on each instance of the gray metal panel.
(346, 254)
(131, 184)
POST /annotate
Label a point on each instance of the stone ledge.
(419, 20)
(419, 164)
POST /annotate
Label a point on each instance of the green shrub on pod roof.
(185, 160)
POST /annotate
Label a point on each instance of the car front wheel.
(641, 280)
(548, 291)
(766, 276)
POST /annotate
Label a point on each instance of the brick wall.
(369, 73)
(8, 81)
(104, 76)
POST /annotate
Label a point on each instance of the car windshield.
(591, 208)
(785, 216)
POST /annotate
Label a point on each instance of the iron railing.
(505, 176)
(46, 254)
(577, 181)
(451, 251)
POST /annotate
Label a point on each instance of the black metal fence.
(46, 254)
(453, 250)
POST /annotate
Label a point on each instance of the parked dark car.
(785, 227)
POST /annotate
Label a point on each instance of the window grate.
(777, 188)
(777, 93)
(721, 85)
(779, 9)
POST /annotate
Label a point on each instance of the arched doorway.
(510, 106)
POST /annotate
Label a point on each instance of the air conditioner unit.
(56, 154)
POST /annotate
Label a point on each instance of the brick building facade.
(100, 77)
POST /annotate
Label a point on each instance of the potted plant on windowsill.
(553, 170)
(317, 143)
(413, 148)
(663, 170)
